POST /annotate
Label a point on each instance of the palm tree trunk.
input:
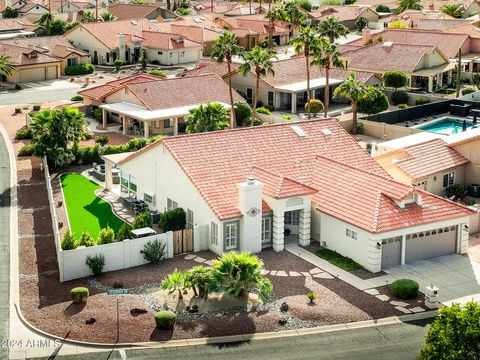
(250, 5)
(354, 114)
(233, 122)
(255, 98)
(307, 60)
(180, 295)
(211, 6)
(61, 6)
(270, 34)
(326, 99)
(96, 10)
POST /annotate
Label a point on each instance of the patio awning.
(434, 70)
(302, 85)
(141, 113)
(116, 158)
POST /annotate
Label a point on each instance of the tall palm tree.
(259, 61)
(326, 55)
(272, 16)
(6, 67)
(306, 42)
(332, 29)
(294, 15)
(353, 89)
(409, 5)
(45, 21)
(225, 47)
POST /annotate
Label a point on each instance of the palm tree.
(45, 21)
(272, 16)
(88, 17)
(108, 16)
(294, 15)
(409, 5)
(454, 10)
(6, 67)
(209, 117)
(306, 41)
(259, 61)
(225, 47)
(326, 55)
(174, 282)
(353, 89)
(332, 29)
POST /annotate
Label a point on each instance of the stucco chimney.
(366, 35)
(121, 46)
(250, 205)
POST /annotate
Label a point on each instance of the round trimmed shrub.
(79, 295)
(77, 98)
(405, 289)
(165, 320)
(400, 97)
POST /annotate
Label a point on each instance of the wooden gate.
(182, 241)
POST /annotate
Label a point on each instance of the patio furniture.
(143, 232)
(128, 201)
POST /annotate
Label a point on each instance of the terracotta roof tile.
(341, 13)
(167, 41)
(131, 11)
(207, 66)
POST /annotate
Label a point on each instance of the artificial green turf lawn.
(336, 259)
(85, 209)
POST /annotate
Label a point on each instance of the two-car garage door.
(38, 74)
(420, 246)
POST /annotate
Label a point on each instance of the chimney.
(70, 16)
(121, 46)
(366, 35)
(431, 7)
(159, 19)
(250, 205)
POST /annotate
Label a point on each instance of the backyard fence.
(201, 234)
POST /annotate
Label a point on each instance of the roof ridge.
(376, 212)
(283, 178)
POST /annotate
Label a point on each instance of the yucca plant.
(238, 274)
(175, 282)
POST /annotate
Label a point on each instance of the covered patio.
(432, 79)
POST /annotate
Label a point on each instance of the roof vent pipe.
(250, 181)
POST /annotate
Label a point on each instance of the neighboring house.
(219, 7)
(30, 64)
(132, 11)
(287, 89)
(468, 7)
(373, 4)
(445, 25)
(347, 15)
(170, 49)
(24, 8)
(412, 18)
(54, 46)
(208, 66)
(427, 67)
(244, 189)
(12, 28)
(156, 105)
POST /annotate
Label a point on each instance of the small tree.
(454, 10)
(142, 220)
(454, 334)
(209, 117)
(125, 232)
(353, 89)
(144, 58)
(108, 16)
(243, 112)
(382, 9)
(118, 64)
(88, 17)
(106, 236)
(476, 79)
(361, 23)
(174, 282)
(86, 239)
(154, 251)
(68, 242)
(373, 101)
(10, 12)
(313, 106)
(395, 79)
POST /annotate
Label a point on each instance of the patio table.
(128, 201)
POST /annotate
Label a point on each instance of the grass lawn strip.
(85, 209)
(336, 259)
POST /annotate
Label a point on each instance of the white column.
(108, 175)
(430, 84)
(124, 124)
(104, 118)
(175, 126)
(403, 247)
(278, 231)
(294, 103)
(146, 126)
(304, 227)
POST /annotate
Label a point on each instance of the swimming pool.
(445, 125)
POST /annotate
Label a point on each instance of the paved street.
(4, 244)
(395, 342)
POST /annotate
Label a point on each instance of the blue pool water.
(446, 125)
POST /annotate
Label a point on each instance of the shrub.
(422, 100)
(18, 110)
(360, 128)
(395, 79)
(468, 90)
(173, 220)
(68, 242)
(87, 136)
(402, 106)
(79, 295)
(118, 64)
(165, 320)
(400, 97)
(142, 220)
(18, 86)
(106, 236)
(79, 69)
(372, 101)
(159, 73)
(24, 133)
(125, 232)
(405, 289)
(102, 140)
(382, 9)
(96, 263)
(184, 12)
(263, 110)
(243, 112)
(469, 202)
(456, 191)
(174, 282)
(77, 98)
(27, 150)
(36, 107)
(314, 106)
(287, 117)
(154, 251)
(98, 114)
(311, 296)
(86, 239)
(304, 4)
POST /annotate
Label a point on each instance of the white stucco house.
(251, 188)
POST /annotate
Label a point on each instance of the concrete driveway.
(456, 276)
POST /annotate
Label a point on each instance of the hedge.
(173, 220)
(80, 69)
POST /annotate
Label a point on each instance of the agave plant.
(175, 282)
(238, 274)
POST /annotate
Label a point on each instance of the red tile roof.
(56, 46)
(429, 158)
(167, 41)
(341, 13)
(131, 11)
(207, 66)
(25, 56)
(367, 200)
(253, 23)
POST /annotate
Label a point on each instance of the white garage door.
(51, 72)
(30, 75)
(429, 244)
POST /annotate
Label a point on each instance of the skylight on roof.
(298, 130)
(326, 132)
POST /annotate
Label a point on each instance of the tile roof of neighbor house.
(219, 7)
(429, 158)
(438, 4)
(167, 41)
(9, 25)
(107, 31)
(207, 66)
(343, 191)
(56, 46)
(412, 17)
(179, 92)
(341, 13)
(384, 57)
(367, 200)
(448, 44)
(469, 29)
(100, 92)
(24, 56)
(29, 6)
(131, 11)
(259, 25)
(392, 4)
(444, 24)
